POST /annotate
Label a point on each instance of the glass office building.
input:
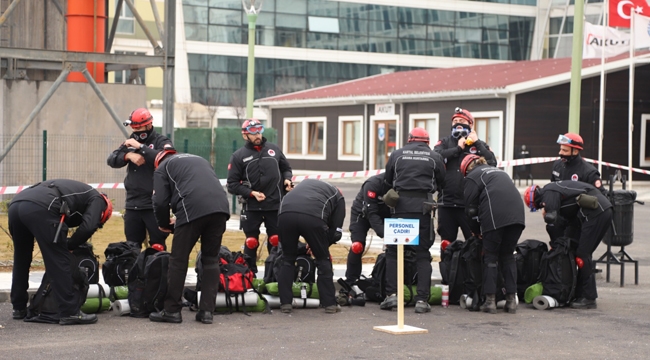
(341, 40)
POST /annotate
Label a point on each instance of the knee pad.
(210, 262)
(252, 242)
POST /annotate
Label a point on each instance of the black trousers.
(449, 220)
(422, 256)
(26, 222)
(209, 229)
(137, 223)
(251, 221)
(498, 252)
(358, 232)
(315, 232)
(592, 232)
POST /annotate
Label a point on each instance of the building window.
(489, 128)
(126, 22)
(644, 156)
(305, 138)
(429, 122)
(350, 138)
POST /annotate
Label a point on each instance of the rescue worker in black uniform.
(571, 166)
(45, 211)
(368, 211)
(415, 172)
(138, 153)
(188, 186)
(454, 148)
(561, 207)
(493, 205)
(315, 210)
(260, 175)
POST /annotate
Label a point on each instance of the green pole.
(44, 155)
(186, 146)
(576, 67)
(250, 84)
(234, 197)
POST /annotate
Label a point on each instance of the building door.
(385, 139)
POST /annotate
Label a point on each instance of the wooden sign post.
(401, 232)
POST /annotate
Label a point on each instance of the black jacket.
(139, 179)
(319, 199)
(369, 204)
(86, 205)
(261, 170)
(492, 192)
(577, 169)
(413, 170)
(452, 193)
(560, 197)
(187, 184)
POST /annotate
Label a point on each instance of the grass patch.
(113, 231)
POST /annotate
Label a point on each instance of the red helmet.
(463, 114)
(139, 117)
(466, 161)
(419, 134)
(108, 211)
(252, 126)
(571, 140)
(161, 155)
(531, 197)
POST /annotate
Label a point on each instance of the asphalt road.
(619, 328)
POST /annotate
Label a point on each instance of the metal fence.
(83, 158)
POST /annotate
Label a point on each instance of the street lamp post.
(252, 8)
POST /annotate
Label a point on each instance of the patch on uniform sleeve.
(598, 183)
(372, 194)
(574, 177)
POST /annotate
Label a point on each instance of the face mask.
(567, 158)
(141, 135)
(460, 130)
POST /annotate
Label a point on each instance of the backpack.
(452, 270)
(559, 271)
(305, 270)
(120, 258)
(375, 286)
(471, 256)
(84, 257)
(529, 261)
(148, 282)
(43, 307)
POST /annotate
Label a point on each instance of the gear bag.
(43, 307)
(375, 286)
(305, 270)
(148, 282)
(559, 271)
(84, 257)
(529, 264)
(452, 270)
(120, 257)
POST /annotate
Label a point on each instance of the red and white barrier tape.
(8, 190)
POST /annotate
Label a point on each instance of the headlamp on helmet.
(463, 114)
(138, 118)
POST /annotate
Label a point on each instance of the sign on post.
(401, 232)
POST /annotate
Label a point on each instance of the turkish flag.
(620, 11)
(372, 194)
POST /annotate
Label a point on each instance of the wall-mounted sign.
(385, 109)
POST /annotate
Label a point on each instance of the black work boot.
(19, 314)
(511, 304)
(204, 316)
(490, 305)
(584, 303)
(79, 319)
(164, 316)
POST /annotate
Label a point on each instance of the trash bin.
(623, 218)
